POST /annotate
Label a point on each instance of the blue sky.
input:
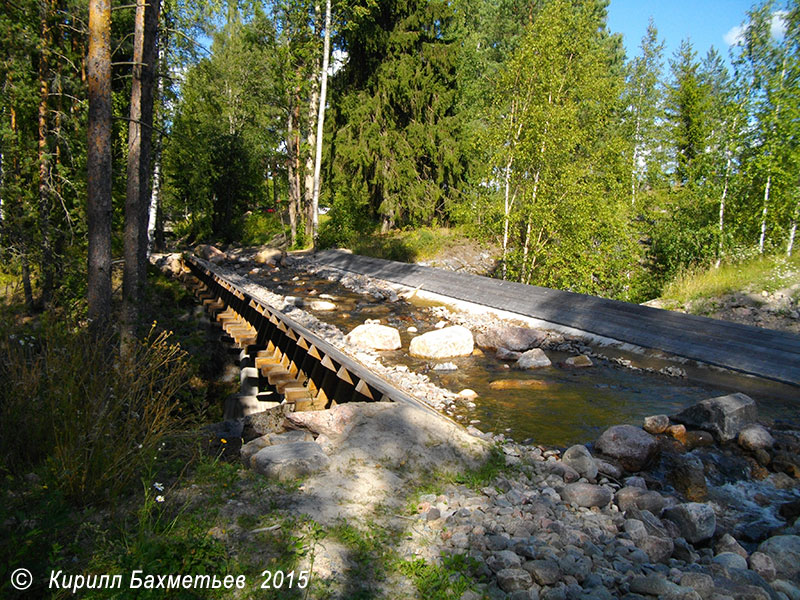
(705, 22)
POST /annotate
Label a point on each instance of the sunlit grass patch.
(767, 273)
(408, 245)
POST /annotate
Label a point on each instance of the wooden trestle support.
(281, 357)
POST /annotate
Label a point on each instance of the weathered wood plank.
(762, 352)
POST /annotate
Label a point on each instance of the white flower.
(159, 498)
(159, 486)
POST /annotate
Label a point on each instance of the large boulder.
(262, 423)
(447, 342)
(268, 256)
(631, 497)
(784, 550)
(517, 339)
(331, 422)
(696, 522)
(210, 253)
(755, 437)
(632, 446)
(289, 461)
(686, 474)
(375, 337)
(724, 416)
(579, 458)
(533, 359)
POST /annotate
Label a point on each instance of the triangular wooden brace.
(344, 375)
(314, 352)
(363, 388)
(328, 363)
(301, 341)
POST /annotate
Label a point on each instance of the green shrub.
(72, 405)
(258, 228)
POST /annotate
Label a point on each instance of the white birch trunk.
(321, 124)
(722, 210)
(764, 215)
(793, 229)
(507, 205)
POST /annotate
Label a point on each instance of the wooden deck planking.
(762, 352)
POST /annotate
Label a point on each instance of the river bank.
(538, 526)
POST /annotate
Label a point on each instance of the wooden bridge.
(280, 356)
(773, 355)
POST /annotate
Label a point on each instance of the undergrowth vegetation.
(91, 416)
(408, 245)
(749, 274)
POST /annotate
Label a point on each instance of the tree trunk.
(275, 185)
(155, 227)
(634, 159)
(722, 210)
(130, 276)
(150, 62)
(44, 158)
(137, 197)
(27, 290)
(99, 164)
(326, 51)
(294, 192)
(764, 215)
(311, 138)
(508, 203)
(793, 228)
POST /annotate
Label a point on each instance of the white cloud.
(779, 24)
(777, 29)
(735, 35)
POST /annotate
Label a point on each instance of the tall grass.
(407, 246)
(767, 273)
(73, 408)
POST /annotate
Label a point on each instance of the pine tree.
(99, 163)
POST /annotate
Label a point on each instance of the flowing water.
(554, 406)
(557, 406)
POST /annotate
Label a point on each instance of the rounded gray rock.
(696, 522)
(632, 446)
(586, 494)
(511, 580)
(290, 461)
(533, 359)
(579, 458)
(730, 560)
(784, 550)
(656, 424)
(763, 565)
(755, 437)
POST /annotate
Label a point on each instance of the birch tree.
(561, 91)
(140, 129)
(643, 100)
(321, 123)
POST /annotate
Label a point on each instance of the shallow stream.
(554, 406)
